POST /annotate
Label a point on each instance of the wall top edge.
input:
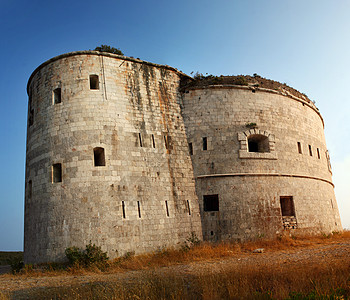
(106, 54)
(254, 89)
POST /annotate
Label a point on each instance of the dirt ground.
(328, 251)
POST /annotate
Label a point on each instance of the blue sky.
(305, 44)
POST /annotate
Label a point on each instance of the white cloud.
(341, 179)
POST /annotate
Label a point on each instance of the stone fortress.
(135, 156)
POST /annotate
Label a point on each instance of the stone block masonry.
(119, 153)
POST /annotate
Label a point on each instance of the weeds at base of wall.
(92, 256)
(313, 281)
(192, 250)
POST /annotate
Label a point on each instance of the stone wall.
(249, 185)
(143, 197)
(120, 154)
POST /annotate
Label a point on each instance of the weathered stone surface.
(249, 184)
(135, 102)
(142, 192)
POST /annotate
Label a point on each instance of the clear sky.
(305, 44)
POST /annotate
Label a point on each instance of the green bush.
(16, 265)
(109, 49)
(74, 255)
(92, 255)
(240, 80)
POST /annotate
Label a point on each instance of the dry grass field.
(289, 268)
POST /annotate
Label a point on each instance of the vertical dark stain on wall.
(148, 72)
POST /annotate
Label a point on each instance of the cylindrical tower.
(107, 158)
(260, 160)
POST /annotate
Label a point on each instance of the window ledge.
(257, 155)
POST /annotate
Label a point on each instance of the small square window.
(56, 96)
(56, 173)
(205, 144)
(287, 206)
(99, 157)
(94, 83)
(211, 202)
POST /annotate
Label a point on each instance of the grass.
(327, 279)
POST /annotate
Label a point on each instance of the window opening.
(310, 150)
(167, 208)
(211, 232)
(332, 203)
(153, 142)
(287, 206)
(211, 202)
(94, 84)
(56, 96)
(167, 140)
(190, 147)
(318, 154)
(188, 207)
(56, 173)
(205, 144)
(30, 189)
(258, 143)
(139, 208)
(123, 209)
(299, 148)
(140, 139)
(99, 157)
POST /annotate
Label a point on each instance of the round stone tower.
(107, 158)
(260, 160)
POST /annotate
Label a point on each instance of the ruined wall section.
(250, 185)
(143, 198)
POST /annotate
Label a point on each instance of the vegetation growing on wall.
(109, 49)
(255, 81)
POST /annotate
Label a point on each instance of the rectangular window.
(94, 84)
(299, 148)
(190, 148)
(140, 139)
(211, 202)
(318, 154)
(99, 157)
(139, 208)
(153, 142)
(56, 173)
(205, 144)
(167, 208)
(310, 150)
(287, 206)
(56, 96)
(123, 209)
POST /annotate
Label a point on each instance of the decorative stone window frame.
(243, 141)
